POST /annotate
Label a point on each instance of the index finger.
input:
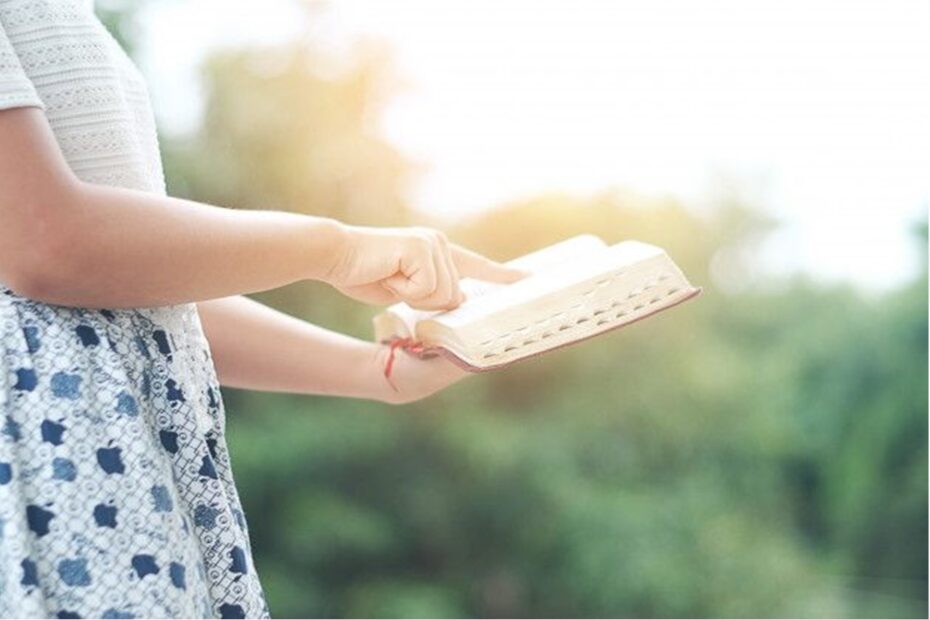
(474, 265)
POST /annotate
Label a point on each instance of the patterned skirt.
(117, 499)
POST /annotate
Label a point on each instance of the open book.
(576, 289)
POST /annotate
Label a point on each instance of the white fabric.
(116, 492)
(55, 54)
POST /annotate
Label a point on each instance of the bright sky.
(819, 107)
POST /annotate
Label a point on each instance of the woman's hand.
(417, 265)
(412, 377)
(258, 348)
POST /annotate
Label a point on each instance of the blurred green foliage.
(759, 454)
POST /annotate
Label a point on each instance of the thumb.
(473, 265)
(404, 288)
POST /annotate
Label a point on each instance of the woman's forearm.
(113, 247)
(72, 243)
(141, 249)
(64, 241)
(258, 348)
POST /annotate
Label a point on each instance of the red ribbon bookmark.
(407, 344)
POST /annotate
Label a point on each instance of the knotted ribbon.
(407, 344)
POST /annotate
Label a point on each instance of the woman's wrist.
(369, 367)
(324, 243)
(411, 378)
(382, 389)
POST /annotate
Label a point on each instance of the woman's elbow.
(37, 272)
(39, 261)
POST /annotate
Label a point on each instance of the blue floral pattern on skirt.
(117, 499)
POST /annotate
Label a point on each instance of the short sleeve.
(16, 89)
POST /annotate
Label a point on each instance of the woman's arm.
(256, 347)
(72, 243)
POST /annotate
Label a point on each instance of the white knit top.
(55, 54)
(116, 492)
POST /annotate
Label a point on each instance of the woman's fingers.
(448, 294)
(442, 296)
(416, 277)
(427, 278)
(473, 265)
(438, 288)
(455, 293)
(420, 267)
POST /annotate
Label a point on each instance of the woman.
(116, 494)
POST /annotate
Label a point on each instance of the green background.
(761, 451)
